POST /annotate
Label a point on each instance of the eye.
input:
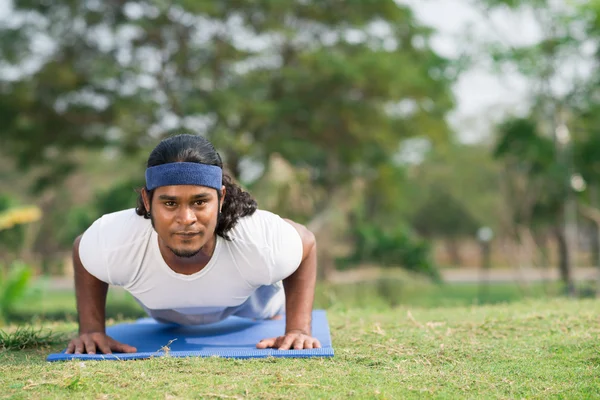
(199, 202)
(169, 203)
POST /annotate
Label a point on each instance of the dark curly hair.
(193, 148)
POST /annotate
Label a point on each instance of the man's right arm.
(91, 296)
(91, 309)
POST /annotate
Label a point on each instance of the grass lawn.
(378, 294)
(525, 349)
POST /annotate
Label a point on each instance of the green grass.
(386, 293)
(26, 337)
(59, 305)
(526, 349)
(378, 294)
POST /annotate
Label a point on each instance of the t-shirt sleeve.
(285, 245)
(92, 254)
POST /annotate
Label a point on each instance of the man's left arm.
(299, 296)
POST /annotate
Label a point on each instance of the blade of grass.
(28, 337)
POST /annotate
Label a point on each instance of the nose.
(186, 216)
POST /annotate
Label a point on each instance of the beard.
(178, 253)
(184, 253)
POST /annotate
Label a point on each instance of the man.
(195, 250)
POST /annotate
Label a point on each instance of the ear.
(146, 199)
(223, 194)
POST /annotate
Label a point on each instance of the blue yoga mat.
(233, 337)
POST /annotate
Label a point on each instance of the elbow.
(309, 239)
(309, 242)
(77, 265)
(76, 247)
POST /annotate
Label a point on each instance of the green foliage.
(513, 4)
(442, 196)
(120, 196)
(322, 80)
(467, 177)
(587, 143)
(538, 153)
(521, 141)
(14, 287)
(536, 175)
(78, 219)
(395, 247)
(320, 83)
(561, 25)
(11, 239)
(441, 215)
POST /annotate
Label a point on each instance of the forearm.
(299, 291)
(91, 297)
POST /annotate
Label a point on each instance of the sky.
(481, 96)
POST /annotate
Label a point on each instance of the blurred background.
(443, 152)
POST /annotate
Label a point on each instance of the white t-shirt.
(121, 249)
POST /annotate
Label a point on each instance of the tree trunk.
(564, 261)
(541, 240)
(594, 233)
(595, 230)
(594, 215)
(327, 229)
(452, 248)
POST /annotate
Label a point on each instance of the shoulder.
(259, 228)
(117, 229)
(114, 245)
(275, 241)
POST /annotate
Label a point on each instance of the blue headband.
(184, 173)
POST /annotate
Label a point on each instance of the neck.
(188, 265)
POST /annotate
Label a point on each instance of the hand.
(295, 339)
(90, 342)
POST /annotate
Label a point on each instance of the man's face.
(184, 217)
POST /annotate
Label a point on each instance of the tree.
(453, 192)
(332, 87)
(320, 79)
(442, 216)
(556, 87)
(535, 186)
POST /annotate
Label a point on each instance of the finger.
(308, 344)
(89, 345)
(299, 343)
(122, 347)
(78, 346)
(316, 344)
(70, 348)
(265, 343)
(103, 346)
(278, 341)
(287, 342)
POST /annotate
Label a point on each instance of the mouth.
(187, 234)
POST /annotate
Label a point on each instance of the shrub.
(14, 287)
(394, 247)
